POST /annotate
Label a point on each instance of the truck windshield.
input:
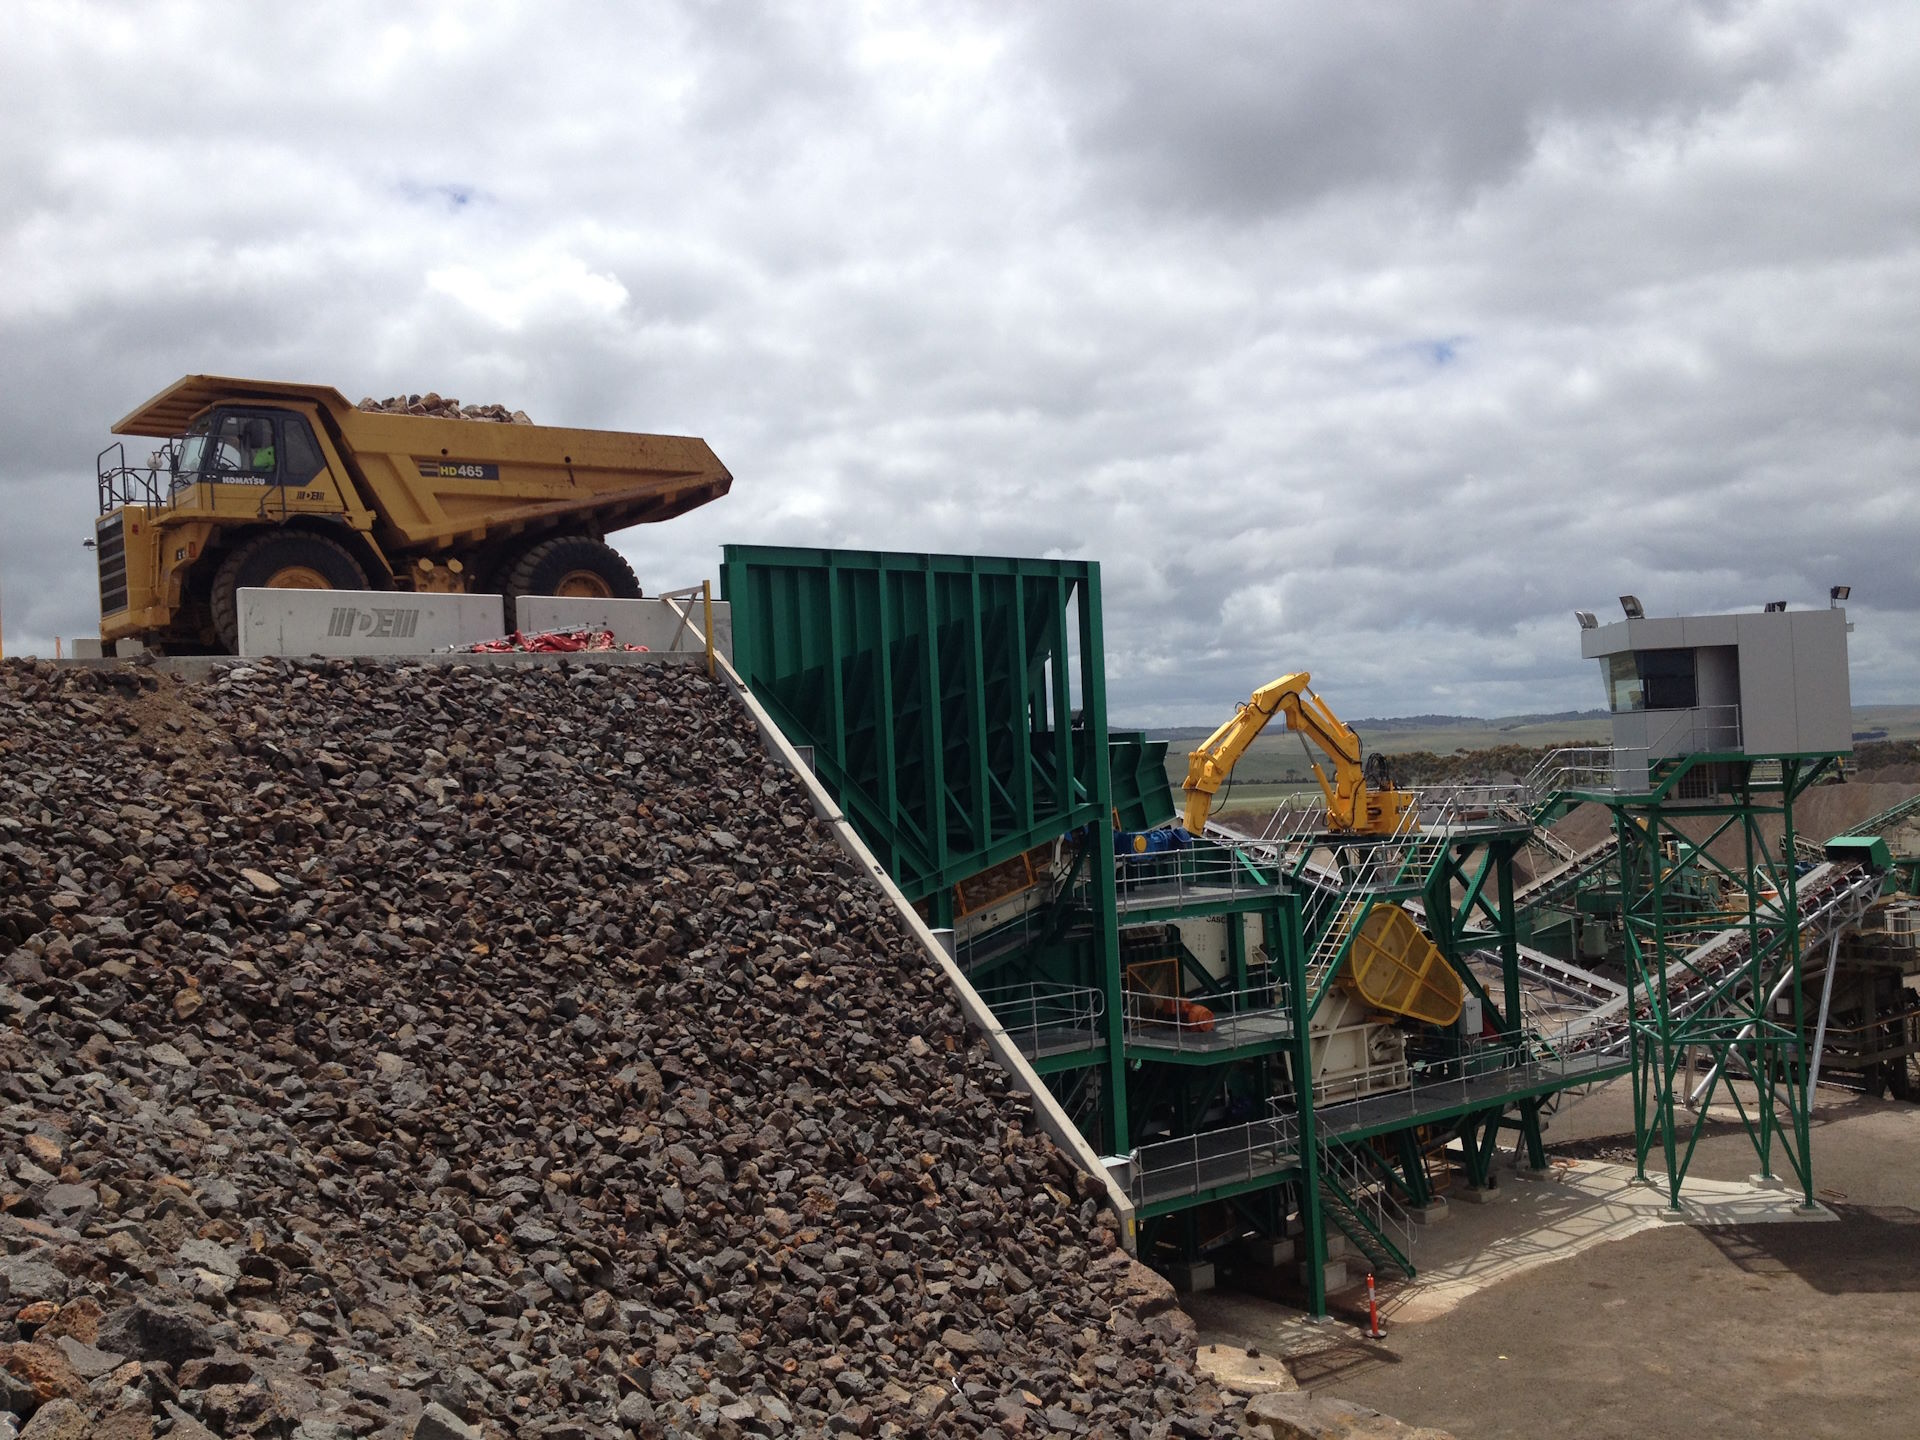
(191, 455)
(193, 450)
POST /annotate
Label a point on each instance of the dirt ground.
(1791, 1329)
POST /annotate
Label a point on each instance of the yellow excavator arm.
(1351, 806)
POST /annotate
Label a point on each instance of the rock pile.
(440, 408)
(404, 1050)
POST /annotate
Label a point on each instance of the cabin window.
(302, 460)
(1668, 676)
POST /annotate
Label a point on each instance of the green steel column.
(1022, 702)
(1656, 826)
(1510, 965)
(1757, 1065)
(889, 775)
(1799, 1098)
(980, 779)
(1509, 944)
(1313, 1235)
(1413, 1168)
(935, 738)
(1093, 689)
(1630, 944)
(1236, 924)
(1063, 770)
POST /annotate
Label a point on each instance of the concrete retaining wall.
(652, 623)
(363, 622)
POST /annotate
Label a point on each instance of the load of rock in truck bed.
(434, 1050)
(440, 408)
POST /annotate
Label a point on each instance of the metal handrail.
(1201, 865)
(1410, 1102)
(1211, 1158)
(1039, 1007)
(1369, 1196)
(703, 592)
(1171, 1022)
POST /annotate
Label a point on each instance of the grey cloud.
(1251, 108)
(1163, 288)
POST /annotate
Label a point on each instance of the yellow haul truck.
(268, 484)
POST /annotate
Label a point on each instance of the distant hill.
(1403, 724)
(1474, 722)
(1429, 744)
(1870, 722)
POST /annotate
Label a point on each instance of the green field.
(1900, 722)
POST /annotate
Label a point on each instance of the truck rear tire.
(280, 560)
(571, 565)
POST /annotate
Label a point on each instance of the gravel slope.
(437, 1050)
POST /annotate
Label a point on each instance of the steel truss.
(1719, 981)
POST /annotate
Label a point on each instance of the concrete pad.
(1585, 1203)
(1490, 1195)
(1303, 1416)
(1432, 1212)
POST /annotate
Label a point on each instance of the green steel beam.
(1225, 1192)
(1070, 1060)
(1208, 1059)
(1495, 1103)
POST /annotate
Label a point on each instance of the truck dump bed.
(433, 483)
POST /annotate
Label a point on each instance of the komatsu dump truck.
(266, 484)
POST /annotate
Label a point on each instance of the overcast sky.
(1368, 339)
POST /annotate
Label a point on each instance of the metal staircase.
(1359, 1205)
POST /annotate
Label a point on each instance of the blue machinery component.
(1157, 841)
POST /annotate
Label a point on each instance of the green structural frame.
(955, 706)
(956, 709)
(1667, 875)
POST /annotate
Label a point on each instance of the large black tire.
(1900, 1077)
(569, 565)
(279, 560)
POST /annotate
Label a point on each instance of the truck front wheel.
(284, 560)
(570, 565)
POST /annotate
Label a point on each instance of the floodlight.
(1631, 604)
(1837, 594)
(1586, 619)
(1774, 607)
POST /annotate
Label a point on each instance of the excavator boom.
(1351, 806)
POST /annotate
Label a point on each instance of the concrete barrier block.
(363, 622)
(1333, 1275)
(651, 623)
(87, 647)
(1266, 1253)
(1192, 1279)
